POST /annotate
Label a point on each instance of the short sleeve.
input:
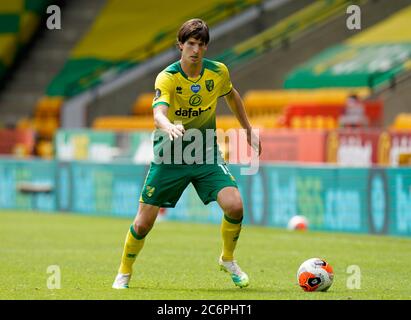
(226, 85)
(163, 89)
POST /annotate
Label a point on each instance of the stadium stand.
(92, 57)
(282, 60)
(263, 107)
(133, 38)
(368, 59)
(44, 57)
(46, 122)
(268, 109)
(289, 27)
(304, 19)
(19, 20)
(140, 79)
(373, 58)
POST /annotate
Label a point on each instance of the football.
(298, 223)
(315, 274)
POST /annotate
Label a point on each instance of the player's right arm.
(163, 91)
(162, 122)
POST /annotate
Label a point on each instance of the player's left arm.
(236, 105)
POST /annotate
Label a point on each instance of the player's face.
(192, 50)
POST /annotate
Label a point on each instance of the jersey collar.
(180, 69)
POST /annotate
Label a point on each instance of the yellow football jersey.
(192, 102)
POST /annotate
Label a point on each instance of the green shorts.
(166, 182)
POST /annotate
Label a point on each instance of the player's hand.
(175, 131)
(254, 141)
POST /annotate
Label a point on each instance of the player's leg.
(134, 242)
(163, 187)
(216, 183)
(141, 226)
(229, 199)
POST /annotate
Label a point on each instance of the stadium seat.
(48, 106)
(266, 122)
(45, 149)
(226, 122)
(402, 122)
(260, 102)
(143, 104)
(8, 49)
(124, 123)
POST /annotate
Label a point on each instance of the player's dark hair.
(194, 28)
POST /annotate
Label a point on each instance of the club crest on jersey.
(209, 85)
(195, 88)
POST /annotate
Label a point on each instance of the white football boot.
(239, 277)
(121, 281)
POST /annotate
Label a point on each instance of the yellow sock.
(132, 246)
(230, 230)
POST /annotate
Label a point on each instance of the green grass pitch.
(179, 261)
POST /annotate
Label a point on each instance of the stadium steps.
(46, 57)
(273, 66)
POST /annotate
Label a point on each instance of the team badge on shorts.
(150, 191)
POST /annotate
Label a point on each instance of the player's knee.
(142, 228)
(234, 210)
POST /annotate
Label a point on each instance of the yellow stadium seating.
(124, 123)
(45, 149)
(46, 127)
(260, 102)
(313, 122)
(143, 104)
(144, 26)
(394, 29)
(404, 159)
(25, 123)
(226, 122)
(330, 123)
(297, 122)
(48, 106)
(265, 122)
(402, 122)
(28, 25)
(8, 48)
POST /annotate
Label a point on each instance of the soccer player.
(186, 94)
